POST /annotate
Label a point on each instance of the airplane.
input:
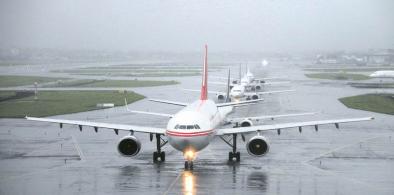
(264, 63)
(383, 74)
(250, 83)
(237, 92)
(193, 128)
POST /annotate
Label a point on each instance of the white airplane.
(383, 74)
(252, 83)
(237, 92)
(264, 63)
(193, 128)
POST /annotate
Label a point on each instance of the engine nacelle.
(255, 97)
(257, 146)
(129, 146)
(220, 97)
(246, 123)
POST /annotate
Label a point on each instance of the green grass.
(338, 76)
(112, 83)
(143, 74)
(381, 103)
(138, 70)
(12, 81)
(18, 104)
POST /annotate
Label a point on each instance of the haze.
(238, 26)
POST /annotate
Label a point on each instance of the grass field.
(111, 83)
(156, 74)
(12, 81)
(338, 76)
(381, 103)
(20, 104)
(142, 70)
(134, 73)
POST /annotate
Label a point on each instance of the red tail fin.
(204, 86)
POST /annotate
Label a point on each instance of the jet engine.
(255, 97)
(246, 123)
(129, 146)
(220, 97)
(257, 146)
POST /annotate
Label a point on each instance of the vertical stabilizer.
(204, 86)
(240, 73)
(228, 87)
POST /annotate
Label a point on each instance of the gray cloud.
(176, 25)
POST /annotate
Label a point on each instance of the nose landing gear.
(188, 165)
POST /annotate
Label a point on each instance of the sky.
(185, 26)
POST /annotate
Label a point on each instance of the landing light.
(189, 155)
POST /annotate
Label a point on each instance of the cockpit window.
(186, 127)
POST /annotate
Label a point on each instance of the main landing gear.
(159, 156)
(234, 155)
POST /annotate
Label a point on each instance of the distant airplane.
(264, 63)
(236, 92)
(251, 83)
(194, 127)
(383, 74)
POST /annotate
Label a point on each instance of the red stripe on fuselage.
(189, 134)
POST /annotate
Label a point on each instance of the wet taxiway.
(39, 158)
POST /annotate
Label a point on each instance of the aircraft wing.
(239, 103)
(268, 92)
(195, 90)
(268, 78)
(278, 127)
(218, 83)
(97, 125)
(151, 113)
(144, 112)
(272, 117)
(169, 102)
(276, 83)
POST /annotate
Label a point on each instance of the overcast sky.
(185, 25)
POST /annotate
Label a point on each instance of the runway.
(40, 158)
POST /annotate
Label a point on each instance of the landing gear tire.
(157, 156)
(236, 155)
(163, 156)
(188, 165)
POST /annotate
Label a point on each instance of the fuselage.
(238, 91)
(193, 127)
(383, 74)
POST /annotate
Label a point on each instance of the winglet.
(125, 103)
(204, 86)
